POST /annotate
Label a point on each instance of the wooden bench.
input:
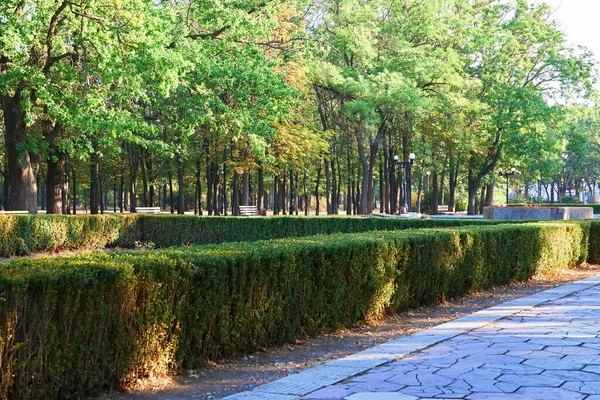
(155, 210)
(248, 211)
(15, 212)
(443, 209)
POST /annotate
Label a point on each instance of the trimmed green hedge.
(73, 326)
(23, 234)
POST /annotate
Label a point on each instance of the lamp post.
(513, 170)
(406, 165)
(428, 173)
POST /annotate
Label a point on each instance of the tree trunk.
(317, 200)
(434, 193)
(55, 174)
(74, 184)
(198, 200)
(6, 191)
(65, 190)
(235, 195)
(225, 204)
(21, 166)
(181, 186)
(132, 191)
(245, 200)
(452, 187)
(122, 192)
(94, 186)
(276, 195)
(171, 195)
(261, 191)
(209, 186)
(482, 200)
(328, 188)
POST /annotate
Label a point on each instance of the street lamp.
(513, 170)
(406, 165)
(428, 173)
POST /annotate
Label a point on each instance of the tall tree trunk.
(215, 190)
(482, 200)
(295, 198)
(171, 195)
(261, 191)
(283, 190)
(101, 197)
(387, 182)
(146, 197)
(74, 184)
(114, 195)
(122, 192)
(22, 170)
(381, 187)
(453, 183)
(292, 205)
(181, 186)
(42, 188)
(209, 186)
(420, 189)
(305, 194)
(276, 195)
(235, 195)
(245, 200)
(65, 190)
(443, 179)
(407, 170)
(54, 183)
(434, 193)
(225, 204)
(133, 191)
(94, 185)
(6, 191)
(317, 199)
(328, 188)
(198, 197)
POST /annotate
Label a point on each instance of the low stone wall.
(538, 213)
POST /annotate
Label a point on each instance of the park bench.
(15, 212)
(155, 210)
(248, 211)
(443, 209)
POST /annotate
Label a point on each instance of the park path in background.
(544, 346)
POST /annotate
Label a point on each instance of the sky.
(579, 20)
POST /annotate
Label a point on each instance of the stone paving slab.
(547, 343)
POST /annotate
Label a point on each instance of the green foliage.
(23, 234)
(172, 309)
(65, 327)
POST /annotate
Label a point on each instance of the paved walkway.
(544, 346)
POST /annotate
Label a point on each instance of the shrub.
(23, 234)
(71, 326)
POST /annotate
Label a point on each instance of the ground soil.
(226, 377)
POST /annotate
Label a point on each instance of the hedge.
(23, 234)
(73, 326)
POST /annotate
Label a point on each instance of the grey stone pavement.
(544, 346)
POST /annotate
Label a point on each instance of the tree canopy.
(209, 105)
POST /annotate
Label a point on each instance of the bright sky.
(579, 20)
